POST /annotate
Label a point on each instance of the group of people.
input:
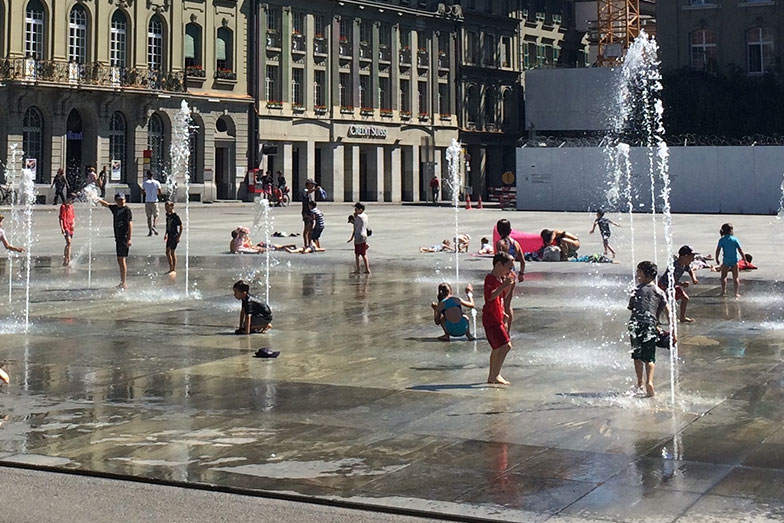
(647, 303)
(62, 187)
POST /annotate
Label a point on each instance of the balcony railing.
(273, 39)
(298, 43)
(423, 59)
(320, 45)
(405, 56)
(345, 49)
(90, 74)
(384, 53)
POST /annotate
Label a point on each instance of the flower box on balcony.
(445, 116)
(405, 115)
(320, 109)
(298, 108)
(296, 34)
(424, 116)
(319, 37)
(343, 39)
(195, 71)
(225, 74)
(422, 50)
(347, 109)
(367, 111)
(274, 104)
(386, 113)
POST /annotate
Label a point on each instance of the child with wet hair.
(255, 315)
(498, 284)
(729, 246)
(448, 312)
(646, 304)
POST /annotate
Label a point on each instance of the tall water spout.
(180, 152)
(27, 189)
(453, 155)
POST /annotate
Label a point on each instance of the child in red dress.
(497, 285)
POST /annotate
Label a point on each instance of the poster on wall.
(116, 170)
(31, 164)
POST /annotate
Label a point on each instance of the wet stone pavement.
(365, 405)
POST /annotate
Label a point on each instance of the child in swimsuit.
(448, 312)
(512, 247)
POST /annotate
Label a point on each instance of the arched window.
(192, 45)
(117, 141)
(155, 144)
(508, 107)
(33, 139)
(703, 49)
(118, 51)
(759, 43)
(490, 105)
(224, 50)
(77, 35)
(473, 105)
(194, 160)
(155, 44)
(34, 30)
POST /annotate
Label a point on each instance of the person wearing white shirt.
(152, 189)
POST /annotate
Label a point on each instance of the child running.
(646, 305)
(604, 228)
(729, 246)
(67, 220)
(680, 264)
(497, 285)
(255, 315)
(448, 312)
(172, 236)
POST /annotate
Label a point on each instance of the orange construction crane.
(618, 25)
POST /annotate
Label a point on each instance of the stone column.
(411, 173)
(333, 183)
(375, 174)
(352, 173)
(307, 163)
(288, 161)
(392, 181)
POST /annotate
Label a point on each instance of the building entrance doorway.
(223, 180)
(73, 150)
(363, 176)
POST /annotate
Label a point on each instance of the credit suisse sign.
(366, 131)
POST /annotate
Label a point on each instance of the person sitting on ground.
(485, 247)
(305, 250)
(567, 242)
(463, 242)
(255, 315)
(448, 312)
(446, 246)
(743, 264)
(681, 264)
(241, 242)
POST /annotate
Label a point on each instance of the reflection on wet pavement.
(364, 405)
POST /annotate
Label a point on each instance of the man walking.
(123, 229)
(434, 188)
(152, 189)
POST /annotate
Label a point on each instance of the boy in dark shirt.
(681, 265)
(123, 229)
(255, 315)
(646, 303)
(172, 236)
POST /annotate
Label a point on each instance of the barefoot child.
(485, 247)
(497, 285)
(67, 219)
(681, 264)
(123, 229)
(512, 247)
(4, 240)
(646, 304)
(604, 228)
(730, 247)
(172, 236)
(448, 312)
(255, 315)
(360, 235)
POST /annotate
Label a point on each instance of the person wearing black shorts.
(172, 236)
(123, 229)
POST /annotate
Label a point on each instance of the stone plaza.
(364, 406)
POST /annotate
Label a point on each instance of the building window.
(508, 107)
(117, 141)
(443, 99)
(422, 43)
(759, 42)
(194, 160)
(77, 35)
(704, 2)
(472, 103)
(273, 19)
(365, 32)
(703, 49)
(541, 56)
(384, 99)
(385, 35)
(297, 79)
(318, 89)
(271, 84)
(298, 23)
(155, 144)
(345, 94)
(506, 52)
(405, 38)
(490, 103)
(526, 56)
(34, 30)
(345, 29)
(224, 50)
(192, 45)
(318, 24)
(33, 139)
(364, 92)
(472, 49)
(118, 40)
(405, 96)
(490, 50)
(155, 44)
(422, 98)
